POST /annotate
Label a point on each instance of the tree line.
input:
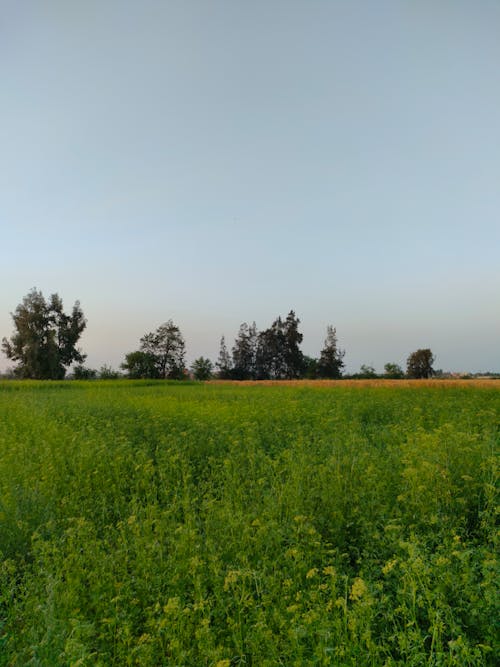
(44, 345)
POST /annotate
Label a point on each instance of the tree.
(278, 356)
(331, 362)
(81, 372)
(244, 352)
(108, 373)
(367, 372)
(293, 356)
(310, 368)
(202, 369)
(224, 364)
(140, 365)
(167, 346)
(393, 371)
(45, 339)
(419, 364)
(269, 361)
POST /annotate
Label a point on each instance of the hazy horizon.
(219, 162)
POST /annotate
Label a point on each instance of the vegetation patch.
(154, 523)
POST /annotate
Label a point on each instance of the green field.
(147, 523)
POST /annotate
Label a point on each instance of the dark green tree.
(108, 373)
(81, 372)
(366, 372)
(278, 356)
(244, 353)
(393, 371)
(161, 355)
(140, 365)
(310, 368)
(331, 362)
(268, 361)
(293, 355)
(45, 338)
(167, 346)
(419, 364)
(202, 369)
(224, 364)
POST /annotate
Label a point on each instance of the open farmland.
(148, 523)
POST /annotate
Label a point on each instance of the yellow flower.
(329, 570)
(172, 605)
(442, 560)
(223, 663)
(340, 603)
(231, 578)
(389, 565)
(312, 573)
(358, 589)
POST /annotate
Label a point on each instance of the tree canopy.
(45, 337)
(224, 364)
(161, 354)
(202, 369)
(331, 360)
(419, 364)
(244, 353)
(393, 371)
(278, 356)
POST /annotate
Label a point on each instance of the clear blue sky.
(216, 162)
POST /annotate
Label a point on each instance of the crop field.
(216, 525)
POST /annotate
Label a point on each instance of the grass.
(148, 523)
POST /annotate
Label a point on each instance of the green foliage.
(419, 364)
(81, 372)
(393, 371)
(331, 362)
(161, 355)
(367, 372)
(224, 363)
(310, 368)
(45, 338)
(244, 353)
(278, 356)
(140, 365)
(154, 523)
(202, 369)
(108, 373)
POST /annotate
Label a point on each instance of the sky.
(216, 162)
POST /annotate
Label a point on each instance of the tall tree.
(161, 355)
(419, 364)
(310, 368)
(331, 362)
(393, 371)
(366, 372)
(244, 351)
(270, 364)
(167, 346)
(278, 356)
(45, 338)
(224, 364)
(202, 369)
(140, 365)
(292, 354)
